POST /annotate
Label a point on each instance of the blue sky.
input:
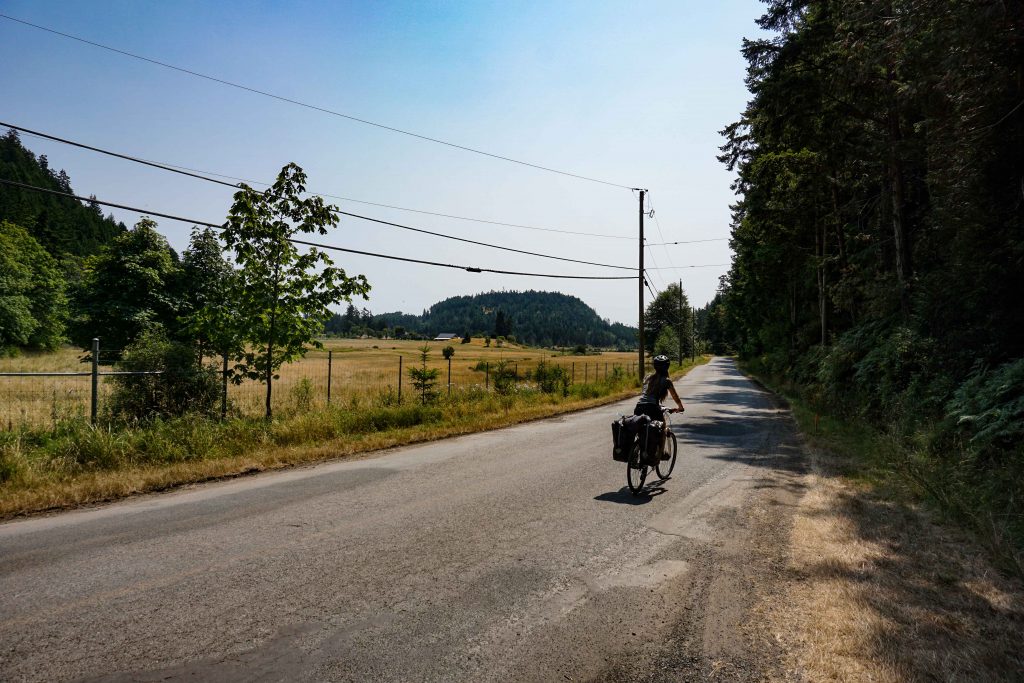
(634, 93)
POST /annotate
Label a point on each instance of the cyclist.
(657, 386)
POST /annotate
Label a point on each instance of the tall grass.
(75, 462)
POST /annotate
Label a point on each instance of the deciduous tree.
(282, 294)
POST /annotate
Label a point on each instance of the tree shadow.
(936, 610)
(922, 599)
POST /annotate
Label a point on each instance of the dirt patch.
(876, 591)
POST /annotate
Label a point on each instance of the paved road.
(509, 555)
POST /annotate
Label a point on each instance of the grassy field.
(360, 370)
(74, 463)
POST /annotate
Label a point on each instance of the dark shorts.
(650, 410)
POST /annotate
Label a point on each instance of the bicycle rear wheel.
(636, 470)
(665, 467)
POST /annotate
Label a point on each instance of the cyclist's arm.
(672, 390)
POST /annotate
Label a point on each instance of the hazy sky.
(633, 93)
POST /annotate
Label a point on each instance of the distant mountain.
(534, 318)
(62, 225)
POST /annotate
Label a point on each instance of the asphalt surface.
(516, 554)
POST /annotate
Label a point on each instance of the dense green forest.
(530, 317)
(879, 230)
(45, 244)
(61, 225)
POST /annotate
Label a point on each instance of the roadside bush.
(552, 378)
(183, 386)
(11, 467)
(585, 391)
(988, 410)
(302, 395)
(504, 378)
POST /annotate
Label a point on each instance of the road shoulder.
(874, 590)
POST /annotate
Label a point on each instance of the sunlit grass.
(359, 369)
(76, 463)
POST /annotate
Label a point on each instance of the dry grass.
(100, 486)
(879, 592)
(41, 471)
(361, 369)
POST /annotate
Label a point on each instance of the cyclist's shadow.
(626, 497)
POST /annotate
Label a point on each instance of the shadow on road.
(625, 497)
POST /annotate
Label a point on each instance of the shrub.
(182, 386)
(504, 378)
(302, 394)
(552, 378)
(988, 409)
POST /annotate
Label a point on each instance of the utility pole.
(640, 335)
(679, 334)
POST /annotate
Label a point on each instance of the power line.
(663, 244)
(185, 170)
(701, 265)
(485, 244)
(311, 106)
(471, 269)
(660, 234)
(337, 211)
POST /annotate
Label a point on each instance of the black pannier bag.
(624, 431)
(652, 440)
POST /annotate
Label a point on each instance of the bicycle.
(637, 466)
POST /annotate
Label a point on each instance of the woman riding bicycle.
(657, 386)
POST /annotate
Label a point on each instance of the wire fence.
(78, 387)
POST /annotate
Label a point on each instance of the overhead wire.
(713, 239)
(700, 265)
(336, 211)
(311, 106)
(471, 269)
(192, 172)
(485, 244)
(651, 253)
(657, 223)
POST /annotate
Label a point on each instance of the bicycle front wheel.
(636, 470)
(665, 467)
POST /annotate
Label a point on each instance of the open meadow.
(357, 370)
(47, 462)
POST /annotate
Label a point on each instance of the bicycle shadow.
(625, 497)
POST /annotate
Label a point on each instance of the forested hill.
(61, 225)
(535, 318)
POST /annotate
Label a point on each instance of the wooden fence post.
(95, 379)
(224, 387)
